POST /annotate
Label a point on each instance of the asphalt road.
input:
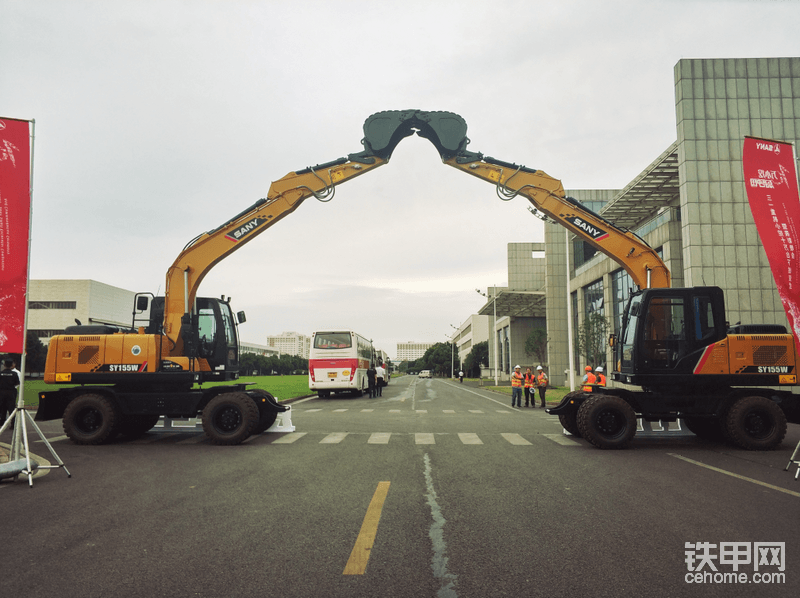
(478, 499)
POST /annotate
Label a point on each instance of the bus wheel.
(756, 424)
(607, 422)
(90, 419)
(230, 418)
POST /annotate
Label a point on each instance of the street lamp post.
(452, 355)
(494, 325)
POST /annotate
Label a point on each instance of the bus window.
(333, 340)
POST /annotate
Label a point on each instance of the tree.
(536, 345)
(479, 355)
(439, 358)
(593, 339)
(35, 354)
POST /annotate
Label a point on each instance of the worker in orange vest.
(516, 387)
(541, 384)
(529, 382)
(601, 379)
(588, 379)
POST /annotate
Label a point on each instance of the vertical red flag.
(15, 212)
(770, 178)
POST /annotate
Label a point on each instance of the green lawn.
(281, 387)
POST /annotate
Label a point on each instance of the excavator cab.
(664, 331)
(209, 332)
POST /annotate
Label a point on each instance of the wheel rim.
(758, 424)
(611, 423)
(88, 420)
(227, 419)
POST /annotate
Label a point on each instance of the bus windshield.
(333, 340)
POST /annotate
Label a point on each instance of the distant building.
(474, 330)
(290, 343)
(55, 304)
(257, 349)
(411, 351)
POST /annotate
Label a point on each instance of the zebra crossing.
(421, 438)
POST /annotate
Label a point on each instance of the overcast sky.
(159, 120)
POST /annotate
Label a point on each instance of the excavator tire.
(91, 419)
(607, 422)
(570, 424)
(756, 424)
(266, 416)
(230, 418)
(569, 421)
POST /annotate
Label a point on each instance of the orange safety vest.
(529, 380)
(590, 379)
(601, 379)
(516, 379)
(542, 379)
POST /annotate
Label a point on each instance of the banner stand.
(20, 195)
(19, 439)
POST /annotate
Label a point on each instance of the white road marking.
(515, 439)
(561, 439)
(379, 438)
(469, 438)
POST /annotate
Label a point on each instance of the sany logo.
(769, 147)
(593, 231)
(239, 233)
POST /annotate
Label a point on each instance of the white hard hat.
(516, 367)
(599, 368)
(539, 368)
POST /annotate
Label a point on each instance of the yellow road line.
(736, 475)
(357, 563)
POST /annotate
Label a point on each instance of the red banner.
(770, 178)
(15, 212)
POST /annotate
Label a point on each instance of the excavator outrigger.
(674, 344)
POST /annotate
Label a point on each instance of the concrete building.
(55, 304)
(411, 350)
(257, 349)
(689, 203)
(473, 330)
(514, 311)
(290, 343)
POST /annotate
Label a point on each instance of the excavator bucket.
(384, 130)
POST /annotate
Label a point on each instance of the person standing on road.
(516, 387)
(541, 384)
(588, 379)
(371, 374)
(380, 376)
(461, 376)
(529, 383)
(9, 380)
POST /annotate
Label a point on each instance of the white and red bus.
(338, 362)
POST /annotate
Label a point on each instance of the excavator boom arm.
(448, 132)
(382, 132)
(548, 197)
(284, 197)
